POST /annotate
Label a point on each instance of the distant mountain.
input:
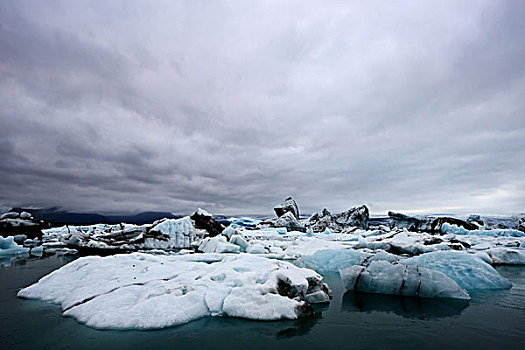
(64, 217)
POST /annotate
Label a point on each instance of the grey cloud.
(129, 106)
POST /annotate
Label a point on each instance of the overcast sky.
(124, 106)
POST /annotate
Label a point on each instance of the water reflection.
(9, 260)
(407, 307)
(303, 325)
(22, 259)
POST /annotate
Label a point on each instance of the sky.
(232, 106)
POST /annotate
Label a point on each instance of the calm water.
(490, 320)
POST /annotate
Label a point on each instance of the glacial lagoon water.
(492, 319)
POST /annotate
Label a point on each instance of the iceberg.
(426, 223)
(506, 256)
(457, 230)
(179, 233)
(288, 205)
(330, 260)
(218, 244)
(163, 234)
(468, 270)
(244, 222)
(286, 220)
(146, 291)
(203, 220)
(8, 246)
(383, 277)
(348, 220)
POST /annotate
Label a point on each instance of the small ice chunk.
(218, 244)
(9, 215)
(229, 231)
(256, 249)
(8, 246)
(227, 248)
(240, 241)
(37, 251)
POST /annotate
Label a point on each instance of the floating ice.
(244, 222)
(229, 231)
(507, 256)
(383, 277)
(457, 230)
(8, 246)
(256, 249)
(240, 241)
(145, 291)
(218, 244)
(326, 261)
(166, 234)
(468, 270)
(181, 234)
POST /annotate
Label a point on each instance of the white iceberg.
(383, 277)
(145, 291)
(164, 234)
(468, 270)
(218, 244)
(180, 233)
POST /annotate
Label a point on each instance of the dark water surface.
(491, 320)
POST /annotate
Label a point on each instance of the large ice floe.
(145, 291)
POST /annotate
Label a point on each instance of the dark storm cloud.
(232, 106)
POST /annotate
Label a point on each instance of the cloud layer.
(232, 106)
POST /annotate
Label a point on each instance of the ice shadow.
(407, 307)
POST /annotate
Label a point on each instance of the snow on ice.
(145, 291)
